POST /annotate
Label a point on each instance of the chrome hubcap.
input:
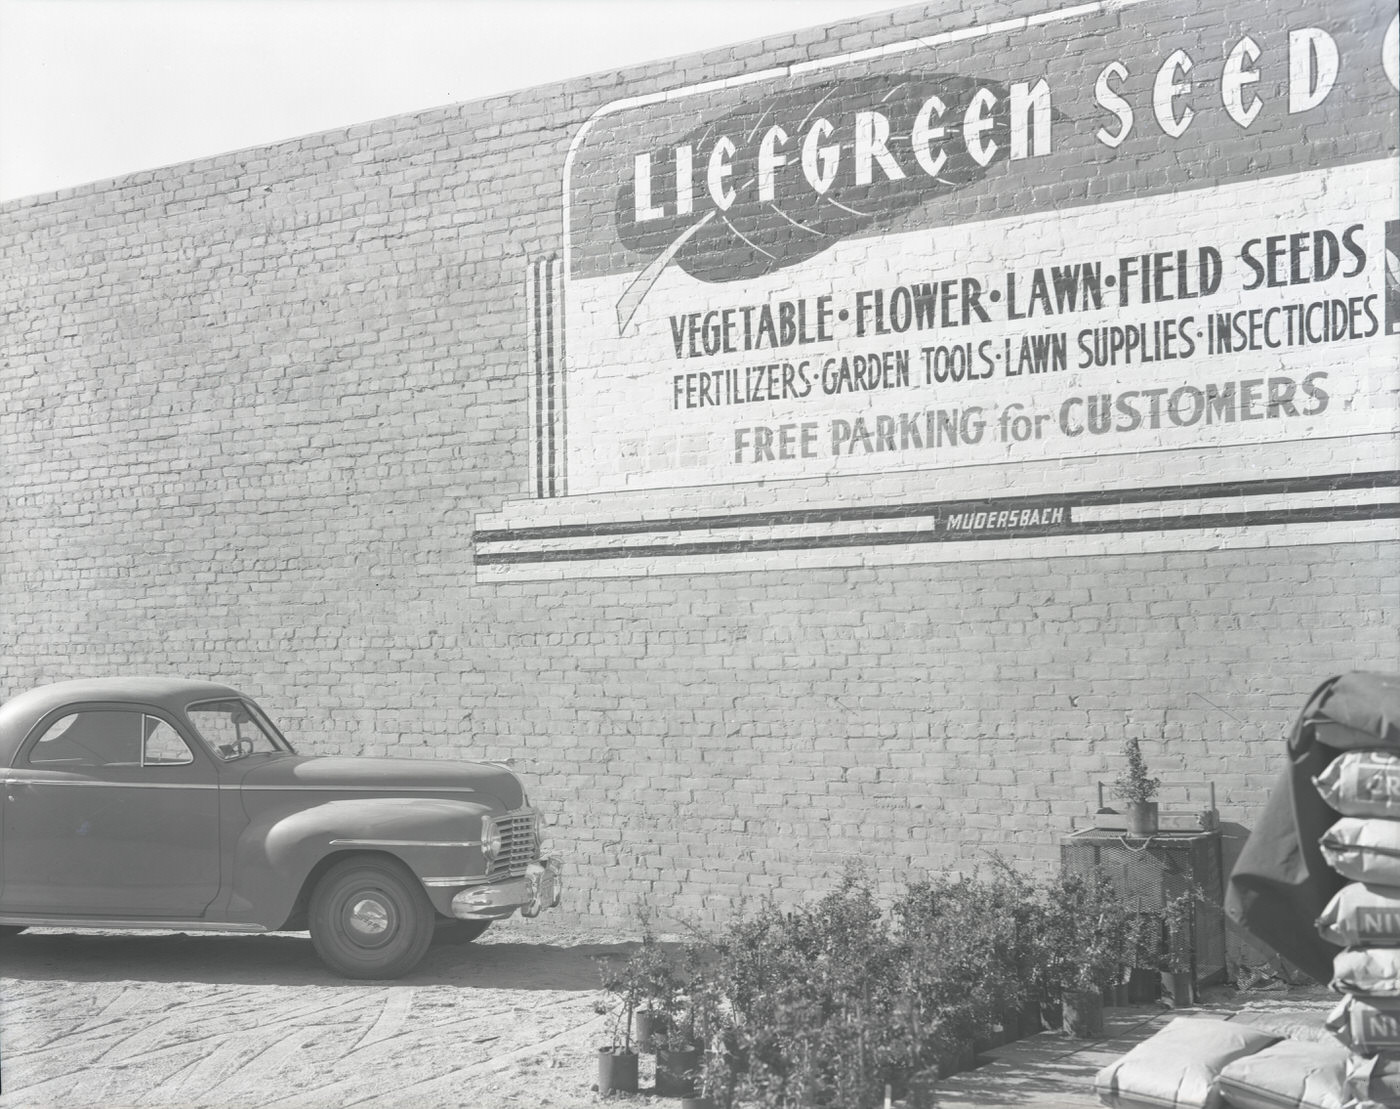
(369, 918)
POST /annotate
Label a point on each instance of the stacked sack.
(1207, 1063)
(1294, 870)
(1364, 919)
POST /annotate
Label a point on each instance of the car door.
(110, 811)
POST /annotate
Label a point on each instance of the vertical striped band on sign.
(544, 302)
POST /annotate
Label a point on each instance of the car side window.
(163, 745)
(98, 737)
(231, 729)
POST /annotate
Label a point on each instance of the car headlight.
(491, 841)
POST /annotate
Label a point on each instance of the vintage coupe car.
(163, 803)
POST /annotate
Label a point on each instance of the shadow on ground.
(287, 959)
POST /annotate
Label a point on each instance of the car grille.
(518, 846)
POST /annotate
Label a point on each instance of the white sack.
(1291, 1074)
(1367, 970)
(1367, 1024)
(1177, 1068)
(1361, 915)
(1364, 849)
(1362, 783)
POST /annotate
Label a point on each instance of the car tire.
(370, 918)
(460, 931)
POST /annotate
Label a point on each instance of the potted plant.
(705, 1076)
(698, 1076)
(971, 943)
(1134, 787)
(1040, 1007)
(617, 1062)
(652, 1025)
(1179, 949)
(1020, 905)
(1082, 1003)
(678, 1064)
(1086, 922)
(679, 1057)
(1115, 992)
(1143, 954)
(654, 977)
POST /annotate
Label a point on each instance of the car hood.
(475, 781)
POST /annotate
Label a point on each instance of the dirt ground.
(212, 1020)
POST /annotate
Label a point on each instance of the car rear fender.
(276, 853)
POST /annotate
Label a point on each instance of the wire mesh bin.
(1149, 873)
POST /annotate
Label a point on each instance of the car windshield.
(234, 729)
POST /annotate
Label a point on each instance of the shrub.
(819, 1007)
(655, 975)
(807, 994)
(1085, 932)
(622, 994)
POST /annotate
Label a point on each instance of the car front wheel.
(370, 919)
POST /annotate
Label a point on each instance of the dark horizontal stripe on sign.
(1263, 487)
(1266, 517)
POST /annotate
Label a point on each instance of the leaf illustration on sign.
(777, 181)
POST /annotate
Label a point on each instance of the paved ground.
(1049, 1071)
(193, 1020)
(201, 1020)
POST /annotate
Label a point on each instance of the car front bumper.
(540, 888)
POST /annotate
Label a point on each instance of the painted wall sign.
(1031, 254)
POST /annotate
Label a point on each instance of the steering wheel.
(244, 747)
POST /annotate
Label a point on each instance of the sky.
(91, 89)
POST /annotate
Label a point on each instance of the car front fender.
(276, 852)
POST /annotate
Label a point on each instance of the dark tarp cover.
(1281, 883)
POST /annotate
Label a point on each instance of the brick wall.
(254, 403)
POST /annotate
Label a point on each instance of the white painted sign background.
(631, 427)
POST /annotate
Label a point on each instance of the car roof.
(20, 713)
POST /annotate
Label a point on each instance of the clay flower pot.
(1144, 986)
(1010, 1024)
(923, 1089)
(617, 1071)
(1142, 818)
(651, 1030)
(1180, 986)
(956, 1057)
(1083, 1011)
(676, 1070)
